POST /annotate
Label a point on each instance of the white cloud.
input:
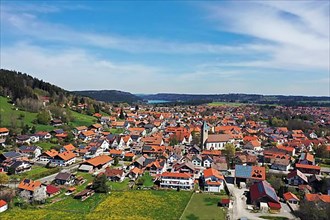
(28, 24)
(297, 32)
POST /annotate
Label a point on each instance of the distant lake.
(157, 101)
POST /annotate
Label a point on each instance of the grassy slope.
(81, 119)
(7, 112)
(204, 206)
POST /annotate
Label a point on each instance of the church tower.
(204, 134)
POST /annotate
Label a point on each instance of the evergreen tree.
(100, 184)
(122, 115)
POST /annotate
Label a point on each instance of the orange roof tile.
(176, 175)
(88, 133)
(51, 153)
(289, 195)
(29, 185)
(99, 160)
(212, 172)
(113, 151)
(307, 166)
(69, 147)
(4, 130)
(68, 155)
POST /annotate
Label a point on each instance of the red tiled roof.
(2, 203)
(212, 172)
(99, 160)
(290, 196)
(50, 189)
(29, 185)
(4, 130)
(69, 147)
(274, 205)
(315, 197)
(307, 166)
(68, 155)
(177, 175)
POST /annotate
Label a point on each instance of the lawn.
(142, 205)
(116, 130)
(117, 186)
(146, 179)
(81, 119)
(45, 145)
(8, 114)
(204, 206)
(36, 172)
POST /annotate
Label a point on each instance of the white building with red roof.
(177, 180)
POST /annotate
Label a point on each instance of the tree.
(196, 138)
(201, 182)
(25, 129)
(276, 182)
(43, 117)
(100, 184)
(90, 110)
(174, 141)
(69, 138)
(230, 151)
(313, 210)
(4, 179)
(33, 129)
(322, 151)
(122, 115)
(116, 161)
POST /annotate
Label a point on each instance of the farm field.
(204, 206)
(118, 205)
(142, 205)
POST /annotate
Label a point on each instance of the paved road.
(50, 178)
(47, 179)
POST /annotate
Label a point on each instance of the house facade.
(177, 180)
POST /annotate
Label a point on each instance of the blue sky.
(264, 47)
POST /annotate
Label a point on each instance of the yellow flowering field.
(142, 205)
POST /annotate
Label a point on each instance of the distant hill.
(242, 98)
(110, 95)
(19, 85)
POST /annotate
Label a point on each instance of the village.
(241, 157)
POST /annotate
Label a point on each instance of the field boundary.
(186, 206)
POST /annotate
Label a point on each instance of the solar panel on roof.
(243, 171)
(270, 192)
(260, 188)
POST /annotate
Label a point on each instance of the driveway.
(239, 208)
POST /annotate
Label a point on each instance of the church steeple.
(204, 134)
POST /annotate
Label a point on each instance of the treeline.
(110, 96)
(21, 86)
(322, 101)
